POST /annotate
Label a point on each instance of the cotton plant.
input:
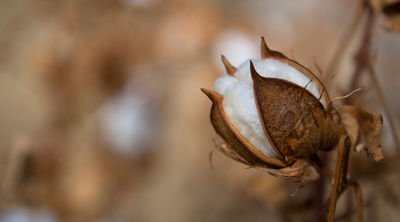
(274, 113)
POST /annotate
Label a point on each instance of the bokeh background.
(102, 117)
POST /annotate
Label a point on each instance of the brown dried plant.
(298, 125)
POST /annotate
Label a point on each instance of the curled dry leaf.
(299, 172)
(363, 130)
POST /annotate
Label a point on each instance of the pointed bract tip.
(265, 51)
(253, 71)
(205, 91)
(230, 69)
(263, 40)
(214, 96)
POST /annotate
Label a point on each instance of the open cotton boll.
(239, 103)
(223, 83)
(277, 69)
(240, 107)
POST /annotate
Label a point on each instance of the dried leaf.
(363, 130)
(300, 172)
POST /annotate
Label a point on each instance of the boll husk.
(275, 113)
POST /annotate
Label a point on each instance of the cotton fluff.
(239, 103)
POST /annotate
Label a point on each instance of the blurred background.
(102, 117)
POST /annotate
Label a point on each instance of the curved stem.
(341, 183)
(359, 199)
(341, 171)
(344, 42)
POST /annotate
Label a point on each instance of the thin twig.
(320, 188)
(361, 58)
(368, 204)
(349, 208)
(341, 182)
(344, 42)
(342, 158)
(359, 199)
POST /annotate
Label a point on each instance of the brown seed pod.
(293, 111)
(294, 120)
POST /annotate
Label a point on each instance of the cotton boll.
(240, 107)
(239, 103)
(281, 70)
(277, 69)
(223, 83)
(243, 72)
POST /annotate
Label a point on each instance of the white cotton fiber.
(241, 110)
(223, 83)
(239, 103)
(276, 69)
